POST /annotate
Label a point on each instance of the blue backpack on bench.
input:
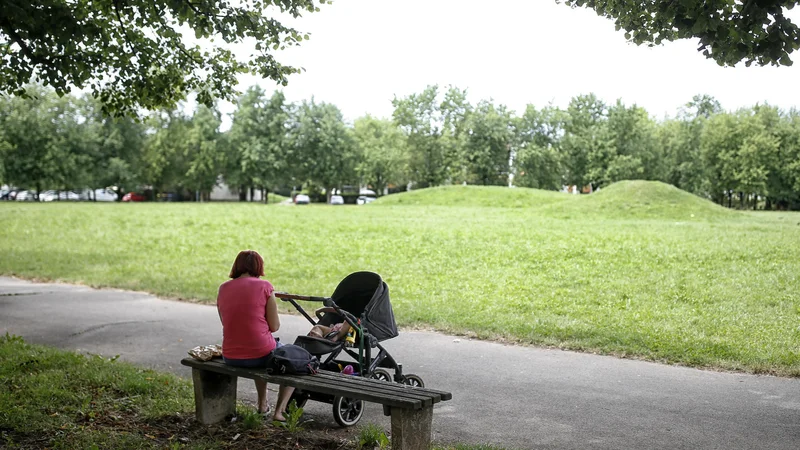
(292, 360)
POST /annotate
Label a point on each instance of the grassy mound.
(649, 199)
(485, 196)
(622, 200)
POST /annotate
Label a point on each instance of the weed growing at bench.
(371, 437)
(292, 416)
(250, 418)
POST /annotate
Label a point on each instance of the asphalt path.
(508, 396)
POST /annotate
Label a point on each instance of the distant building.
(222, 192)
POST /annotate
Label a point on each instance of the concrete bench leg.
(214, 396)
(411, 429)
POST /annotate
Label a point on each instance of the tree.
(418, 115)
(488, 144)
(163, 165)
(633, 153)
(258, 142)
(785, 181)
(35, 156)
(118, 147)
(455, 111)
(585, 139)
(680, 142)
(133, 53)
(203, 158)
(703, 106)
(768, 151)
(537, 163)
(324, 149)
(728, 31)
(382, 152)
(75, 141)
(719, 145)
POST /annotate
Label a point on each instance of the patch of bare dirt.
(183, 430)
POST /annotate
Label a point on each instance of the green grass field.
(638, 269)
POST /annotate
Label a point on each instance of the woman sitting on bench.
(249, 315)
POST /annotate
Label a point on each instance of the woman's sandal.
(266, 414)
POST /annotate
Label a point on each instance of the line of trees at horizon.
(744, 158)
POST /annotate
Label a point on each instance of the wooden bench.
(411, 408)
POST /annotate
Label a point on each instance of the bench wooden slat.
(311, 383)
(249, 373)
(333, 383)
(354, 388)
(382, 386)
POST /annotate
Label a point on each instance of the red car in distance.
(133, 197)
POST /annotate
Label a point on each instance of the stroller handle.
(285, 297)
(327, 301)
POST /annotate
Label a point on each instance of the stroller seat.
(317, 346)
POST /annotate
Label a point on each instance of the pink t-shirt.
(242, 306)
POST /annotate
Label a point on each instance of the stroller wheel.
(347, 411)
(381, 374)
(413, 380)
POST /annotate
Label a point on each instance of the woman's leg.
(284, 393)
(261, 389)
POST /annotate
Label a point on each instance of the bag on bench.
(292, 360)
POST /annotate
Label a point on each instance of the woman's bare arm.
(273, 320)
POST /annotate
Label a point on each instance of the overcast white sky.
(364, 52)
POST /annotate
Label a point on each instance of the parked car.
(133, 197)
(50, 196)
(25, 196)
(364, 199)
(105, 195)
(301, 199)
(337, 200)
(47, 196)
(100, 195)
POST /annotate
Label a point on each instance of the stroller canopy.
(366, 293)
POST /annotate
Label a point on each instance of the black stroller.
(362, 300)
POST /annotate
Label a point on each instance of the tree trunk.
(755, 202)
(265, 195)
(252, 193)
(242, 193)
(768, 204)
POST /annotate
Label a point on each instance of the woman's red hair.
(248, 262)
